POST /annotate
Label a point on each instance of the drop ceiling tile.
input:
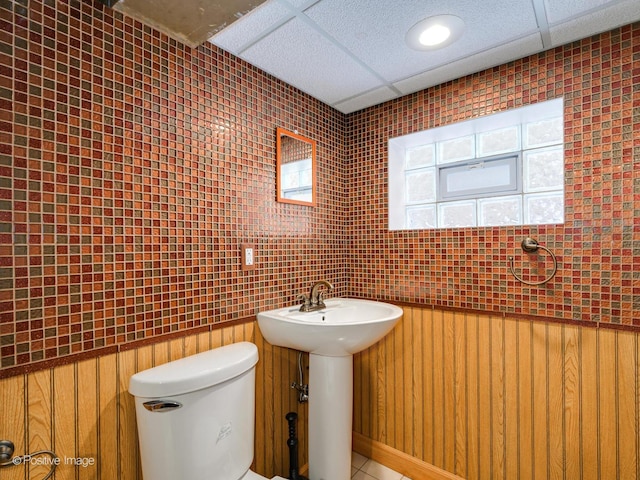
(374, 97)
(621, 13)
(301, 4)
(251, 27)
(374, 30)
(567, 9)
(352, 54)
(304, 58)
(497, 56)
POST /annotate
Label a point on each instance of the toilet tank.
(196, 415)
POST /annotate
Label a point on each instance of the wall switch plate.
(248, 256)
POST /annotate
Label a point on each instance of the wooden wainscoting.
(83, 410)
(477, 396)
(486, 397)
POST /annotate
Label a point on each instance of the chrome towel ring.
(530, 245)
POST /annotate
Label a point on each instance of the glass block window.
(502, 169)
(500, 211)
(499, 141)
(421, 186)
(456, 149)
(457, 214)
(420, 217)
(423, 156)
(544, 169)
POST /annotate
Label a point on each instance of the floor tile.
(357, 460)
(380, 472)
(362, 476)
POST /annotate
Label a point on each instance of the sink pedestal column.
(330, 417)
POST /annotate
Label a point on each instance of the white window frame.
(512, 161)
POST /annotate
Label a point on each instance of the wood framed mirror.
(295, 168)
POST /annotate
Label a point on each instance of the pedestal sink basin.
(331, 336)
(346, 326)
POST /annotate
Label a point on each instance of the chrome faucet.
(316, 300)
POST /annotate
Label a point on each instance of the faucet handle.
(320, 303)
(306, 301)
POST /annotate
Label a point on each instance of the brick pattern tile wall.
(131, 169)
(598, 247)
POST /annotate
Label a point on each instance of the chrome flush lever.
(161, 405)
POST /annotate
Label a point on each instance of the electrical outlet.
(248, 256)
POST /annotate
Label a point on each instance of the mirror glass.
(296, 168)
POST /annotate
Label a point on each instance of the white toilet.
(196, 416)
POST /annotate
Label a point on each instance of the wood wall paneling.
(488, 397)
(444, 395)
(39, 418)
(589, 428)
(571, 403)
(627, 373)
(13, 420)
(84, 410)
(86, 425)
(511, 398)
(608, 406)
(64, 417)
(127, 429)
(109, 452)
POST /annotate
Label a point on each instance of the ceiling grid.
(352, 55)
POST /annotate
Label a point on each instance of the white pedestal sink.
(331, 336)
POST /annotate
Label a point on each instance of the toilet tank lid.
(195, 372)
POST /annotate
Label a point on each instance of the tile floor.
(364, 469)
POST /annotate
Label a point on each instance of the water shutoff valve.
(303, 391)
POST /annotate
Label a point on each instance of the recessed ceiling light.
(435, 32)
